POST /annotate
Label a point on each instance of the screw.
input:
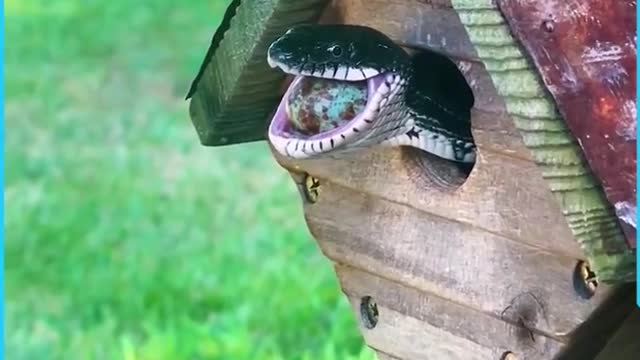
(311, 186)
(509, 356)
(548, 25)
(585, 280)
(368, 312)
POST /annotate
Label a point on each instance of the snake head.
(343, 77)
(339, 52)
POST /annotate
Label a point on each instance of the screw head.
(311, 188)
(368, 312)
(585, 280)
(509, 356)
(548, 25)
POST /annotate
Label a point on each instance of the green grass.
(125, 238)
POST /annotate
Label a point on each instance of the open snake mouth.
(353, 87)
(322, 113)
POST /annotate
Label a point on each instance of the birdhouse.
(529, 251)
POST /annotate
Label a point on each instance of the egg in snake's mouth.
(317, 115)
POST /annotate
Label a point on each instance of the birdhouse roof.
(585, 52)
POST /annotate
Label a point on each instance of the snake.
(419, 99)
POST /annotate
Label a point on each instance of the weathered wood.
(404, 22)
(384, 356)
(485, 263)
(503, 195)
(237, 91)
(460, 267)
(476, 31)
(586, 54)
(588, 213)
(443, 257)
(427, 326)
(624, 345)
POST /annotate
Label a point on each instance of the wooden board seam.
(469, 225)
(560, 339)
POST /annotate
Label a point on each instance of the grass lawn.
(125, 238)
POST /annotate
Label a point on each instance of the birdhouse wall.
(458, 267)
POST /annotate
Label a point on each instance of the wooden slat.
(587, 211)
(439, 256)
(237, 90)
(425, 326)
(503, 195)
(384, 356)
(403, 22)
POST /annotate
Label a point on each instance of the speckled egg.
(318, 105)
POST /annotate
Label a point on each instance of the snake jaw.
(406, 100)
(296, 146)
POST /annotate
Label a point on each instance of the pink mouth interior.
(281, 126)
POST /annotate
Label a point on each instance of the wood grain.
(426, 326)
(403, 22)
(554, 149)
(503, 195)
(237, 91)
(440, 256)
(384, 356)
(473, 270)
(586, 54)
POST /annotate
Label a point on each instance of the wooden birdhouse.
(529, 255)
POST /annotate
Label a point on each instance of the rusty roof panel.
(586, 54)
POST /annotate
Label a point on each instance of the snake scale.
(420, 100)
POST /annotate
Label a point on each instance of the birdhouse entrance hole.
(431, 170)
(443, 81)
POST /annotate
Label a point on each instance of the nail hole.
(548, 25)
(508, 356)
(585, 281)
(368, 312)
(311, 188)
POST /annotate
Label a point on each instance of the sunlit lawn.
(125, 238)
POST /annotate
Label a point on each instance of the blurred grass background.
(126, 239)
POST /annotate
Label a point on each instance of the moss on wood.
(552, 146)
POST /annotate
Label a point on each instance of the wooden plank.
(403, 21)
(503, 195)
(585, 53)
(237, 90)
(550, 142)
(624, 345)
(426, 326)
(439, 256)
(383, 356)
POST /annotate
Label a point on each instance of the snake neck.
(401, 125)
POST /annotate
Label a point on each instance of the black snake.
(420, 100)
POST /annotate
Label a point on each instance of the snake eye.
(336, 50)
